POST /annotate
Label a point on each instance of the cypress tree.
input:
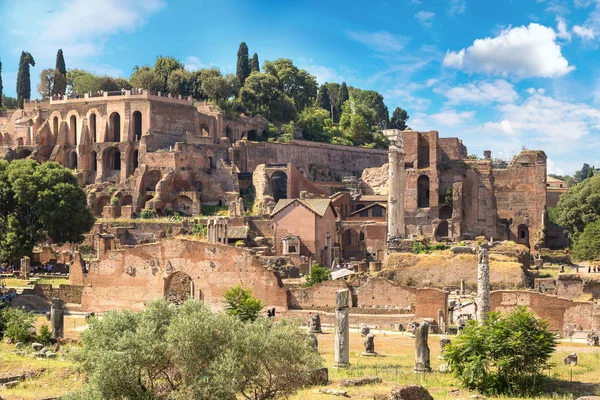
(342, 97)
(254, 65)
(60, 76)
(243, 67)
(1, 87)
(323, 100)
(24, 78)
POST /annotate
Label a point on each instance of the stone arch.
(523, 234)
(114, 122)
(73, 130)
(178, 286)
(182, 204)
(143, 200)
(72, 160)
(55, 125)
(152, 178)
(93, 161)
(112, 159)
(23, 154)
(137, 126)
(279, 183)
(127, 200)
(445, 212)
(423, 191)
(93, 128)
(442, 230)
(229, 133)
(99, 206)
(204, 130)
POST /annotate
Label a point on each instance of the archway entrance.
(178, 287)
(73, 130)
(115, 127)
(279, 184)
(523, 234)
(446, 212)
(137, 126)
(442, 230)
(93, 128)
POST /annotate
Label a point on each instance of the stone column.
(395, 210)
(422, 354)
(342, 329)
(25, 267)
(57, 318)
(483, 283)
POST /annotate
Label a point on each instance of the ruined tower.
(395, 224)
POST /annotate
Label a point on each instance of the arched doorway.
(73, 130)
(178, 286)
(93, 128)
(442, 230)
(115, 127)
(23, 154)
(116, 160)
(423, 192)
(279, 184)
(152, 178)
(100, 203)
(127, 200)
(112, 160)
(73, 160)
(182, 205)
(523, 234)
(445, 212)
(55, 126)
(137, 126)
(229, 134)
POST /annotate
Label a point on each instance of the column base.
(341, 365)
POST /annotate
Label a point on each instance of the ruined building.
(135, 151)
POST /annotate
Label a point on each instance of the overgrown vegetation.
(147, 213)
(506, 355)
(579, 207)
(188, 352)
(199, 230)
(317, 274)
(424, 248)
(240, 303)
(16, 324)
(587, 246)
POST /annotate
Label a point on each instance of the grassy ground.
(394, 366)
(17, 283)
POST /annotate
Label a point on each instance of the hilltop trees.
(60, 75)
(39, 201)
(164, 66)
(399, 118)
(24, 78)
(46, 86)
(243, 66)
(323, 99)
(254, 64)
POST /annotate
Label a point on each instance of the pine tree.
(399, 118)
(323, 100)
(342, 98)
(1, 87)
(60, 75)
(254, 64)
(243, 67)
(590, 172)
(24, 78)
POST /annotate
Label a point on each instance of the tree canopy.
(587, 245)
(59, 86)
(579, 206)
(39, 201)
(399, 118)
(243, 66)
(187, 352)
(254, 64)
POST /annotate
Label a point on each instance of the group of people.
(594, 269)
(7, 269)
(6, 295)
(342, 266)
(271, 312)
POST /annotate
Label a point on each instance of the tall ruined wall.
(575, 286)
(563, 315)
(127, 279)
(317, 161)
(521, 196)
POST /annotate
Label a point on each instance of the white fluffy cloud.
(379, 41)
(504, 127)
(486, 92)
(456, 7)
(452, 117)
(522, 52)
(425, 18)
(548, 122)
(561, 29)
(583, 32)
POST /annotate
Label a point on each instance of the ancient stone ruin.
(342, 330)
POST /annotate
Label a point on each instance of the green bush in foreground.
(317, 274)
(17, 324)
(504, 356)
(188, 352)
(240, 303)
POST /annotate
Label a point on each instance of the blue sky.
(499, 74)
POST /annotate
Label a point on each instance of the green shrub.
(506, 355)
(45, 335)
(240, 243)
(419, 248)
(317, 274)
(424, 248)
(17, 324)
(114, 201)
(147, 214)
(85, 249)
(240, 303)
(177, 217)
(587, 245)
(199, 230)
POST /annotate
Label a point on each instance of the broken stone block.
(410, 392)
